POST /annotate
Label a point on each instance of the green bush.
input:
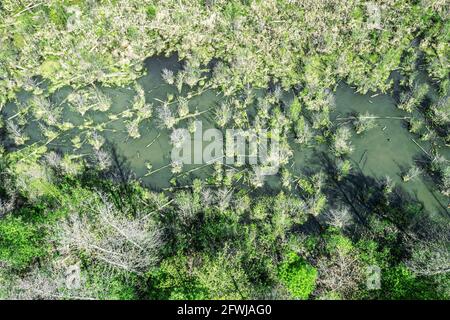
(173, 281)
(20, 242)
(297, 276)
(399, 283)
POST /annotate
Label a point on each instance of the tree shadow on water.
(116, 179)
(368, 197)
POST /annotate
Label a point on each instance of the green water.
(386, 149)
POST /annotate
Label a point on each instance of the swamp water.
(386, 149)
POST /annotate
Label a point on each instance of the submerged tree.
(133, 129)
(388, 185)
(364, 122)
(15, 132)
(178, 137)
(413, 173)
(223, 114)
(96, 140)
(166, 118)
(177, 166)
(168, 76)
(303, 131)
(342, 144)
(102, 159)
(343, 168)
(183, 106)
(45, 111)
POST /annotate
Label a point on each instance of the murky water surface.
(386, 149)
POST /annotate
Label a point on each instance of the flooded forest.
(215, 150)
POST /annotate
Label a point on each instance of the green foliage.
(49, 67)
(399, 283)
(181, 277)
(117, 287)
(175, 280)
(57, 15)
(337, 241)
(151, 11)
(234, 9)
(297, 276)
(306, 186)
(295, 110)
(224, 277)
(371, 254)
(21, 242)
(353, 49)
